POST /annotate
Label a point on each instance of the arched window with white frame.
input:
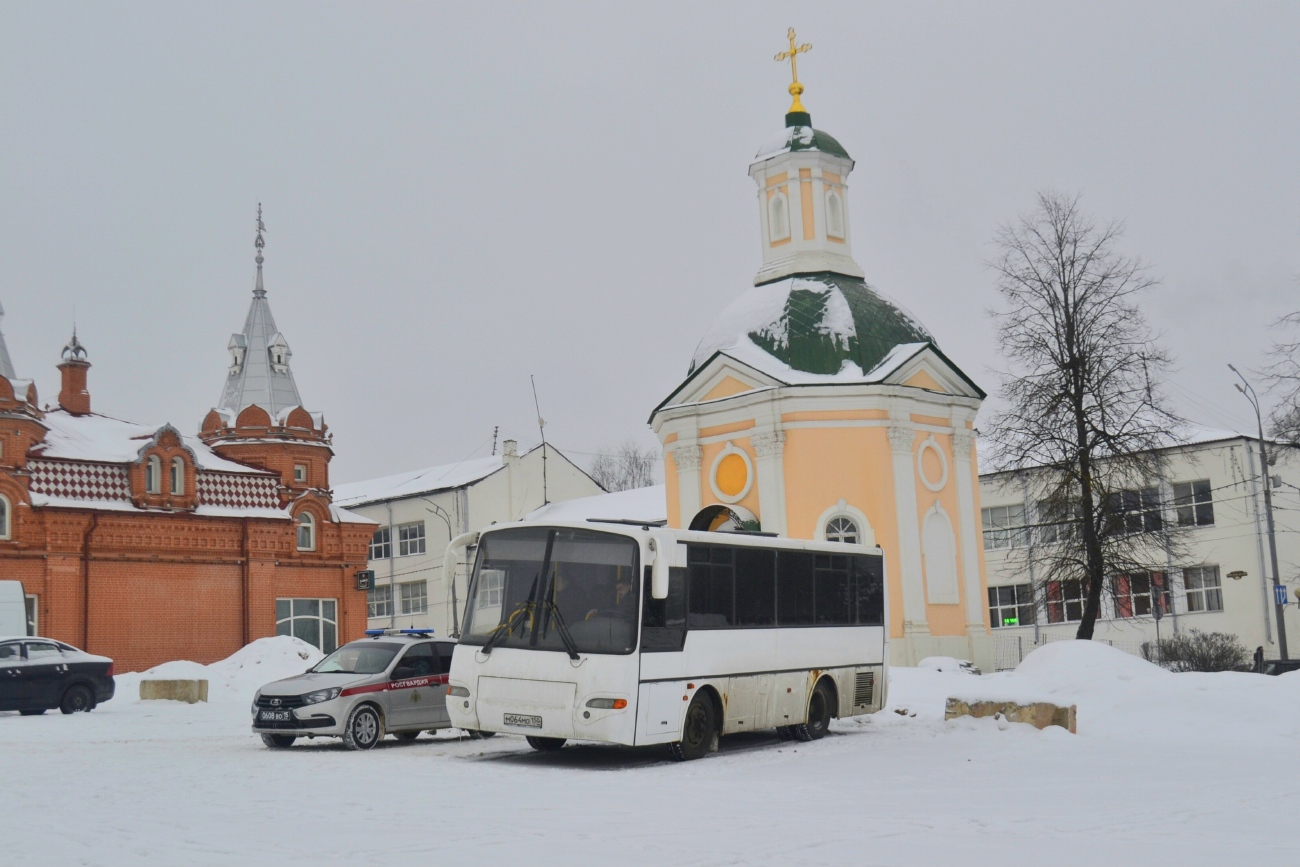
(843, 529)
(834, 215)
(306, 532)
(6, 519)
(178, 476)
(778, 218)
(153, 475)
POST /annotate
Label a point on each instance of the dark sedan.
(37, 674)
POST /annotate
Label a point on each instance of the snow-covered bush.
(1195, 650)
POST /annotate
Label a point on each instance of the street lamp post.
(1245, 388)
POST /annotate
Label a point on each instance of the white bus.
(633, 635)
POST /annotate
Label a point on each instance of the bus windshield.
(531, 585)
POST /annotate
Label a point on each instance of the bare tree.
(1283, 374)
(1084, 417)
(626, 467)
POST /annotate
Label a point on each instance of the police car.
(394, 681)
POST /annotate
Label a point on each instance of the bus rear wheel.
(699, 730)
(819, 715)
(545, 745)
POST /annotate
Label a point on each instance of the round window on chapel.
(842, 530)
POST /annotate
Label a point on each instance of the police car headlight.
(321, 695)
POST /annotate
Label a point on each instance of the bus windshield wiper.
(570, 646)
(507, 628)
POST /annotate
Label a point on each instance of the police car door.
(443, 649)
(414, 690)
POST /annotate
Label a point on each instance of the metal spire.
(259, 243)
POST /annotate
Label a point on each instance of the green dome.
(822, 324)
(801, 138)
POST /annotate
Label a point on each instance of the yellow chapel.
(816, 407)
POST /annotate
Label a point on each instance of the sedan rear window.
(359, 657)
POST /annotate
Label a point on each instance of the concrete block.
(1040, 714)
(188, 691)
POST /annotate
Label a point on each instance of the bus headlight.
(458, 691)
(607, 703)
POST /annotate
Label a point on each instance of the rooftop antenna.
(541, 427)
(495, 430)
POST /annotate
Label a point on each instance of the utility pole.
(1245, 388)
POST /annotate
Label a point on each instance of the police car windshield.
(359, 657)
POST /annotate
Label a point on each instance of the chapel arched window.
(4, 518)
(306, 532)
(778, 218)
(834, 216)
(153, 475)
(844, 530)
(178, 476)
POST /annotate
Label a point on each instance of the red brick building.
(146, 544)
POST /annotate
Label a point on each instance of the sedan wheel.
(76, 698)
(364, 728)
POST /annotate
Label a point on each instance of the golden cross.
(793, 56)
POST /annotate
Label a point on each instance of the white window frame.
(1004, 526)
(300, 472)
(1023, 599)
(491, 583)
(319, 617)
(1189, 507)
(837, 531)
(6, 518)
(411, 601)
(379, 601)
(383, 549)
(306, 521)
(1200, 595)
(32, 608)
(178, 476)
(153, 475)
(410, 539)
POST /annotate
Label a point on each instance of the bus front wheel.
(819, 715)
(545, 745)
(699, 730)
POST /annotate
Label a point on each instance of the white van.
(13, 609)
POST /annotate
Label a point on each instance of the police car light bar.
(378, 632)
(416, 631)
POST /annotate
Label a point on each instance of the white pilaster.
(687, 457)
(963, 440)
(901, 440)
(770, 448)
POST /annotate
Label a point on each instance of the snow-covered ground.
(1166, 769)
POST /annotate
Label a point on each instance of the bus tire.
(699, 730)
(545, 745)
(819, 715)
(477, 735)
(784, 733)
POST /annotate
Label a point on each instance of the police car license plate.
(274, 716)
(518, 719)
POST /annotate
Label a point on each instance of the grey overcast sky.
(459, 196)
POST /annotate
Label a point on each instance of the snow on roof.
(103, 439)
(414, 482)
(48, 502)
(1190, 435)
(343, 516)
(640, 504)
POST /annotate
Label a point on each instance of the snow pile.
(235, 678)
(639, 504)
(947, 663)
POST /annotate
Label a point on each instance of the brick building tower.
(146, 545)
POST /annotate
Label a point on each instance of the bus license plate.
(274, 716)
(518, 719)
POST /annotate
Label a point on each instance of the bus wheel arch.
(823, 704)
(701, 726)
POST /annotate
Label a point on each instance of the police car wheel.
(279, 742)
(406, 736)
(364, 728)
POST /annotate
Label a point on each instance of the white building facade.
(1212, 496)
(419, 512)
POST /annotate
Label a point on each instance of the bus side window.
(868, 577)
(794, 583)
(663, 621)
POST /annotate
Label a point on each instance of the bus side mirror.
(659, 569)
